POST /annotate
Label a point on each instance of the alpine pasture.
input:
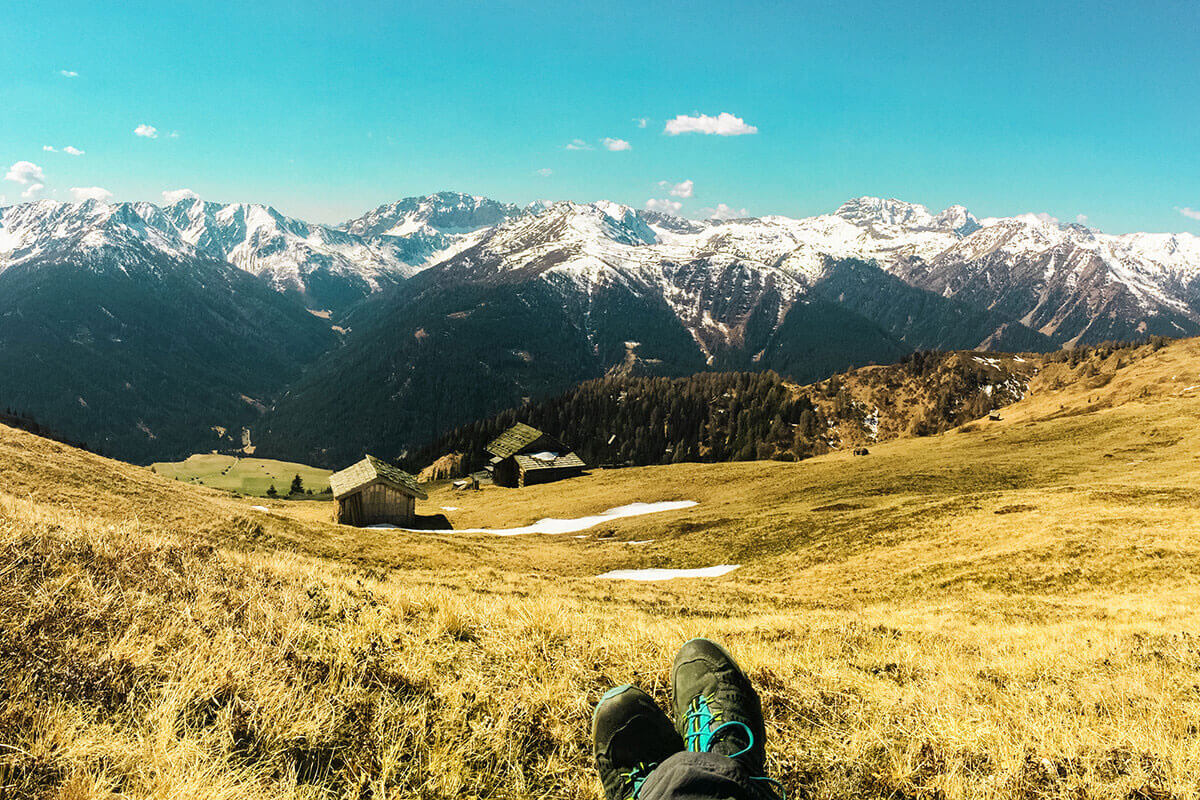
(1004, 610)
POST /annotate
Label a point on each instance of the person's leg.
(701, 776)
(717, 711)
(631, 737)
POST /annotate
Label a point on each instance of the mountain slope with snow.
(115, 333)
(329, 268)
(446, 213)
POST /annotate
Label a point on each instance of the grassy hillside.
(244, 475)
(1005, 610)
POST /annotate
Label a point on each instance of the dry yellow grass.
(1007, 610)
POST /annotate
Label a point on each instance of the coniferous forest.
(743, 416)
(726, 416)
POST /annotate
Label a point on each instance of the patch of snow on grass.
(556, 526)
(260, 508)
(662, 574)
(449, 508)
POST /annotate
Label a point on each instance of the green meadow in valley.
(243, 475)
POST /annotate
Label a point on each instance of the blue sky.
(326, 110)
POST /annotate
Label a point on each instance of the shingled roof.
(532, 464)
(369, 469)
(514, 440)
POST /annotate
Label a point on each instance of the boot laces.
(702, 728)
(637, 776)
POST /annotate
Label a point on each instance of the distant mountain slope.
(333, 268)
(140, 347)
(327, 268)
(920, 319)
(1069, 282)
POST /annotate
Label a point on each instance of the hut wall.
(548, 475)
(506, 473)
(376, 503)
(350, 510)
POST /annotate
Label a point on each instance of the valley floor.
(1007, 610)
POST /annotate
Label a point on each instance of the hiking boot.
(631, 736)
(716, 708)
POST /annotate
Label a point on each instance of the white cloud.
(723, 211)
(579, 144)
(641, 121)
(32, 192)
(616, 144)
(1190, 213)
(724, 124)
(68, 73)
(48, 149)
(173, 135)
(72, 151)
(1082, 219)
(175, 195)
(148, 131)
(683, 189)
(1049, 219)
(665, 206)
(81, 193)
(24, 172)
(545, 172)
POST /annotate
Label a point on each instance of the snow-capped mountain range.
(436, 310)
(329, 266)
(1067, 281)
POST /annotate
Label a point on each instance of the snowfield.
(664, 574)
(553, 526)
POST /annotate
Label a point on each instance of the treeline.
(726, 416)
(1100, 352)
(742, 416)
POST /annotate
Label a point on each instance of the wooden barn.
(524, 456)
(373, 492)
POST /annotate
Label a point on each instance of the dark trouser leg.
(700, 776)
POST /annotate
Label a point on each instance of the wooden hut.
(523, 456)
(373, 492)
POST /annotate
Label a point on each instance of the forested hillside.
(741, 416)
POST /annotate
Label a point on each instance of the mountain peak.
(879, 211)
(958, 219)
(440, 213)
(868, 210)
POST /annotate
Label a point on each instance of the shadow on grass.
(430, 522)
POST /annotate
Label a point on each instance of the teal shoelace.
(637, 776)
(702, 728)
